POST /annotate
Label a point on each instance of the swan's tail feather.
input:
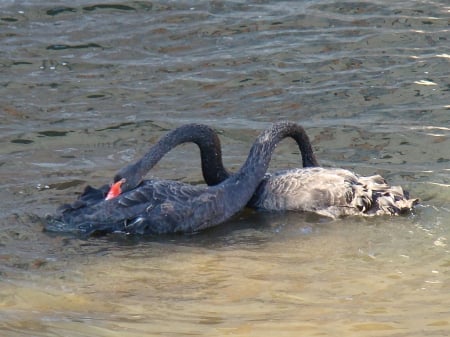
(373, 196)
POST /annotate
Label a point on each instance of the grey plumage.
(331, 192)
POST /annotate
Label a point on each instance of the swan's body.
(331, 192)
(162, 206)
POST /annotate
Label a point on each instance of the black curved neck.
(266, 142)
(202, 135)
(304, 144)
(240, 187)
(277, 132)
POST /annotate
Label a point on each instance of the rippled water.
(87, 86)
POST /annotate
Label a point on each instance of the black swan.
(164, 206)
(331, 192)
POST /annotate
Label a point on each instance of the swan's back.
(157, 206)
(331, 192)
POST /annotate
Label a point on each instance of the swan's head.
(127, 179)
(120, 185)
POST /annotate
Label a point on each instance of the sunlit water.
(86, 87)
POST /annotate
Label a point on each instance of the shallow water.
(86, 87)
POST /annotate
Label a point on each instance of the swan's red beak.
(115, 190)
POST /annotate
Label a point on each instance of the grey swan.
(164, 206)
(331, 192)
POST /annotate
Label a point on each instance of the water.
(86, 87)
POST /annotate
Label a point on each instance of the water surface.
(86, 87)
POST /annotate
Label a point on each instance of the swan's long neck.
(304, 144)
(257, 163)
(202, 135)
(276, 134)
(265, 144)
(262, 149)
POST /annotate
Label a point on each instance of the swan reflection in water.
(135, 205)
